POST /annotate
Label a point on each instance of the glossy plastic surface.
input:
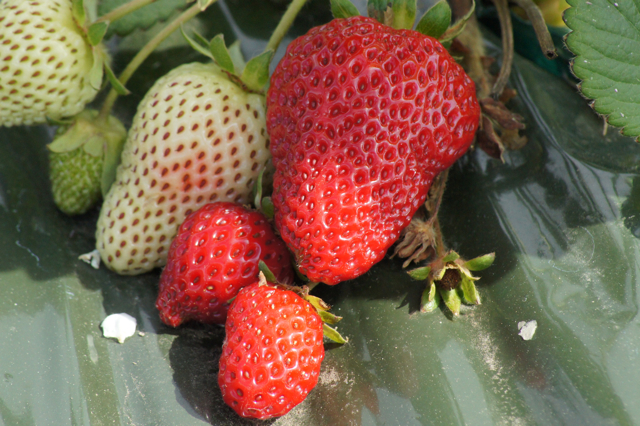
(562, 215)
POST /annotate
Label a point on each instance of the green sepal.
(452, 299)
(451, 257)
(221, 54)
(256, 74)
(316, 302)
(343, 9)
(97, 69)
(267, 207)
(115, 83)
(96, 32)
(420, 274)
(58, 121)
(430, 299)
(332, 334)
(378, 10)
(404, 14)
(436, 20)
(236, 56)
(469, 292)
(481, 262)
(78, 12)
(329, 318)
(257, 191)
(456, 29)
(195, 44)
(115, 139)
(94, 146)
(269, 276)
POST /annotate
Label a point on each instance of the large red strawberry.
(215, 253)
(361, 118)
(272, 351)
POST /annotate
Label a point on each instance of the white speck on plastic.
(527, 329)
(92, 258)
(119, 326)
(615, 4)
(616, 90)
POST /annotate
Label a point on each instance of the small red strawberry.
(361, 118)
(215, 253)
(272, 351)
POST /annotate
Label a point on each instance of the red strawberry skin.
(361, 118)
(272, 352)
(215, 253)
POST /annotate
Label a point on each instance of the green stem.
(285, 23)
(123, 10)
(144, 53)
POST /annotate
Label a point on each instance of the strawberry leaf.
(196, 43)
(436, 20)
(142, 18)
(96, 32)
(343, 9)
(456, 29)
(404, 14)
(469, 292)
(481, 262)
(420, 274)
(236, 56)
(430, 299)
(221, 54)
(97, 70)
(329, 318)
(332, 334)
(452, 299)
(256, 73)
(115, 83)
(605, 41)
(450, 257)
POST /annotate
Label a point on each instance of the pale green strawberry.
(82, 160)
(46, 62)
(197, 137)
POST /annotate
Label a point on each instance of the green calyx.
(102, 139)
(401, 14)
(449, 279)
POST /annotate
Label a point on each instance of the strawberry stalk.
(285, 23)
(144, 53)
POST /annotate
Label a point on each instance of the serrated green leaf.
(436, 20)
(221, 54)
(269, 276)
(430, 299)
(115, 83)
(142, 18)
(96, 32)
(195, 44)
(605, 39)
(256, 74)
(343, 9)
(404, 14)
(420, 274)
(481, 262)
(456, 29)
(332, 334)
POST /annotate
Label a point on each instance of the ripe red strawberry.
(272, 351)
(361, 118)
(215, 253)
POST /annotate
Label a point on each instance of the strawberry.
(46, 62)
(82, 160)
(215, 253)
(361, 118)
(272, 351)
(196, 138)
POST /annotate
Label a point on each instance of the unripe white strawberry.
(45, 62)
(196, 138)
